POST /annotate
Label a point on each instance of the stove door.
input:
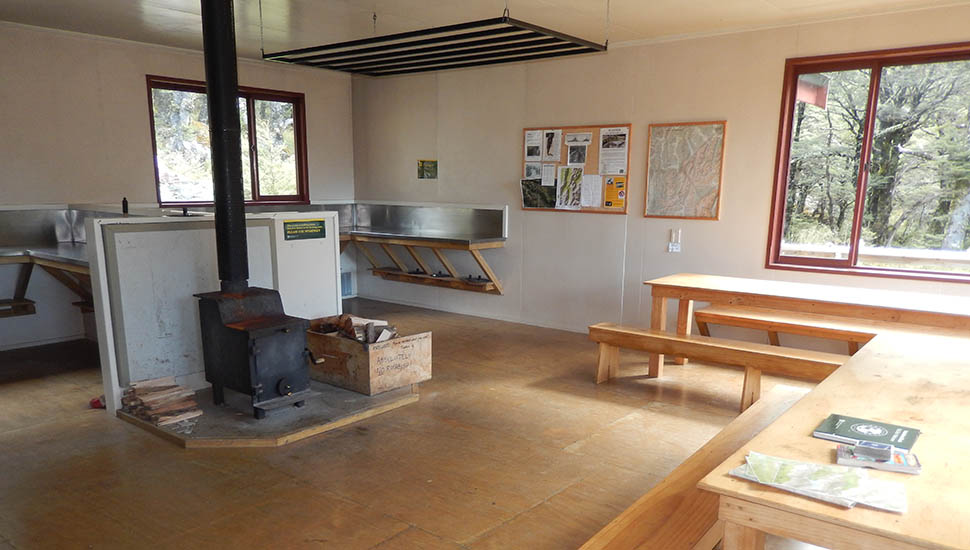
(279, 363)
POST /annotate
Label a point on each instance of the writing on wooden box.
(370, 368)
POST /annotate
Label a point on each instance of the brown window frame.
(875, 61)
(250, 95)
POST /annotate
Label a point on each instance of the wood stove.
(249, 344)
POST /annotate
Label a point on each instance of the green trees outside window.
(876, 174)
(272, 134)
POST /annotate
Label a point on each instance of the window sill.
(210, 204)
(887, 273)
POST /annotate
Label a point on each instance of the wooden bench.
(855, 332)
(755, 358)
(675, 514)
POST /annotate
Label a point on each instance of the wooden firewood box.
(369, 369)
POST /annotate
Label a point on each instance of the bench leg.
(702, 328)
(740, 537)
(751, 390)
(710, 539)
(773, 338)
(658, 321)
(853, 348)
(609, 363)
(685, 310)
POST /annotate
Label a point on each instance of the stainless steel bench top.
(75, 254)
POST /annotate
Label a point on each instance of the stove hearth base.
(228, 426)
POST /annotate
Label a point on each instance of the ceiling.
(289, 24)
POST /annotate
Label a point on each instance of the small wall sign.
(304, 229)
(427, 169)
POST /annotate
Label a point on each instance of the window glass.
(276, 148)
(917, 205)
(247, 175)
(913, 180)
(271, 151)
(826, 142)
(182, 145)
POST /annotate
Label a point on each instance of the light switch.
(674, 244)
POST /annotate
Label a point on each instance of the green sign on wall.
(304, 229)
(427, 169)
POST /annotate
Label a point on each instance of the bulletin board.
(576, 168)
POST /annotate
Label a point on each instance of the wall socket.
(674, 244)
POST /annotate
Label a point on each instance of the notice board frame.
(591, 160)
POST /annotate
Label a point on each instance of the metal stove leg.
(218, 394)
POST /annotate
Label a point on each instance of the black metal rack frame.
(472, 44)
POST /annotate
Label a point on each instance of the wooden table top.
(915, 379)
(887, 305)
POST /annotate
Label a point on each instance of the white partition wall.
(146, 271)
(306, 276)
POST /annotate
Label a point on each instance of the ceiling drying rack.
(476, 43)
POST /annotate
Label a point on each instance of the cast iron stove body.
(251, 346)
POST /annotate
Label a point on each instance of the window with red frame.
(273, 135)
(873, 165)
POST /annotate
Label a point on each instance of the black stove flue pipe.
(222, 87)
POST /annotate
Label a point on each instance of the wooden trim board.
(391, 274)
(275, 440)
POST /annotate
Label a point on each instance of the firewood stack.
(160, 401)
(367, 331)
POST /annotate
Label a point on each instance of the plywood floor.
(511, 446)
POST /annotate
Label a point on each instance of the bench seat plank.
(675, 514)
(797, 363)
(846, 329)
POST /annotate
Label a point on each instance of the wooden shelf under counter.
(488, 282)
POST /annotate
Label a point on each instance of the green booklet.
(846, 429)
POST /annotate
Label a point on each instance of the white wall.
(568, 270)
(76, 123)
(76, 130)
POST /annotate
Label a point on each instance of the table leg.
(751, 391)
(685, 311)
(740, 537)
(658, 321)
(609, 363)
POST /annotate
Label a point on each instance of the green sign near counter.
(304, 229)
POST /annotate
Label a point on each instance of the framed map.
(685, 166)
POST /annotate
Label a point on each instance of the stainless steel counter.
(75, 254)
(58, 234)
(424, 235)
(11, 251)
(428, 222)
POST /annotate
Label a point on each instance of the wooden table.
(915, 372)
(932, 310)
(918, 380)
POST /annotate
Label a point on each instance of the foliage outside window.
(272, 133)
(873, 171)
